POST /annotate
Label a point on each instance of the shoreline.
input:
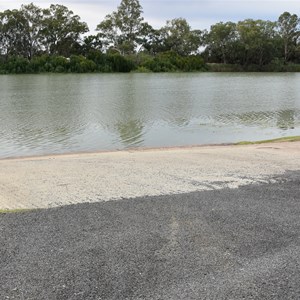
(128, 150)
(290, 139)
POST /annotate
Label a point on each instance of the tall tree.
(62, 30)
(91, 43)
(34, 24)
(13, 39)
(256, 38)
(289, 30)
(178, 37)
(220, 39)
(123, 29)
(108, 32)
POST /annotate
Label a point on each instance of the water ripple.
(62, 113)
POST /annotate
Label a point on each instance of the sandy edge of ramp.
(49, 181)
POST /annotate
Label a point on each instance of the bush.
(38, 63)
(58, 64)
(16, 65)
(171, 62)
(119, 63)
(193, 63)
(142, 69)
(163, 62)
(214, 67)
(80, 64)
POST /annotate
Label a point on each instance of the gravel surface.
(241, 243)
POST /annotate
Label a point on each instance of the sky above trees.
(200, 14)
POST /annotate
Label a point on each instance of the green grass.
(279, 140)
(13, 211)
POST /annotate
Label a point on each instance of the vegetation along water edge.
(14, 211)
(278, 140)
(54, 39)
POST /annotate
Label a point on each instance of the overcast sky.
(199, 13)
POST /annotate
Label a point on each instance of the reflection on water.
(63, 113)
(131, 133)
(287, 119)
(282, 119)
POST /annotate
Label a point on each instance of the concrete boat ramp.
(51, 181)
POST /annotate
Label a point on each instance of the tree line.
(54, 39)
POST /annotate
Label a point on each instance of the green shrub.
(193, 63)
(37, 64)
(163, 62)
(171, 62)
(218, 67)
(119, 63)
(59, 64)
(16, 65)
(142, 69)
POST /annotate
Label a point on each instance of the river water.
(44, 114)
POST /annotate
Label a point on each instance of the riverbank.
(167, 62)
(51, 181)
(273, 67)
(278, 140)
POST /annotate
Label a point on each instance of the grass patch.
(13, 211)
(278, 140)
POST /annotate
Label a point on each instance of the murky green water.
(42, 114)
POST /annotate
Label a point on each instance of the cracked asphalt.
(241, 243)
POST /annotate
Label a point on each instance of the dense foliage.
(33, 40)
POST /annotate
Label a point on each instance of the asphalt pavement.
(241, 243)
